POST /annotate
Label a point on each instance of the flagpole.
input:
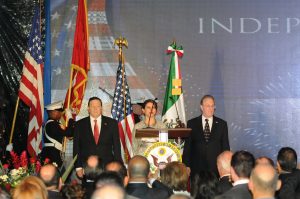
(14, 121)
(121, 41)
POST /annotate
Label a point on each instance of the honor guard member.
(54, 133)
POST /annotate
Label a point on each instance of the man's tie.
(96, 132)
(206, 131)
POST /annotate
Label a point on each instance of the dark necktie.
(96, 132)
(206, 131)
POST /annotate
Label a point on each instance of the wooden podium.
(172, 133)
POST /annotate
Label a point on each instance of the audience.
(92, 168)
(204, 185)
(120, 168)
(51, 178)
(264, 181)
(109, 191)
(264, 160)
(174, 178)
(242, 163)
(138, 171)
(73, 191)
(288, 174)
(223, 165)
(31, 187)
(179, 196)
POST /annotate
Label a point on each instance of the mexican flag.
(173, 103)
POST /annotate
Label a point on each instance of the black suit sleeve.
(116, 141)
(225, 140)
(187, 149)
(76, 145)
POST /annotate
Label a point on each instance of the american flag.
(122, 104)
(31, 86)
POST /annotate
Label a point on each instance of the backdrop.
(245, 53)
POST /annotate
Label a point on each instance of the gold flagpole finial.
(120, 42)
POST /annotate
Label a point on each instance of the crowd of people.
(209, 170)
(240, 176)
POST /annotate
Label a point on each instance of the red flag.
(80, 59)
(31, 86)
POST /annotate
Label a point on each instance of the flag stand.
(14, 121)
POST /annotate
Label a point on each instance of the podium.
(172, 133)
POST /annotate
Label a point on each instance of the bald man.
(264, 181)
(109, 191)
(223, 165)
(138, 172)
(51, 177)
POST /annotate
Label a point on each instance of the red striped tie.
(96, 132)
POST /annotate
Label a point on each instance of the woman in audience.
(73, 191)
(175, 178)
(204, 186)
(30, 187)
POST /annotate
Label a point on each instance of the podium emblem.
(161, 153)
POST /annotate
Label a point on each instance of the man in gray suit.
(242, 163)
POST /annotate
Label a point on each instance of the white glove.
(68, 113)
(9, 147)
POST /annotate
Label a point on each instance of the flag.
(173, 102)
(122, 111)
(80, 59)
(31, 86)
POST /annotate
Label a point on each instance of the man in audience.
(120, 168)
(138, 171)
(109, 191)
(288, 173)
(223, 165)
(264, 181)
(91, 170)
(242, 163)
(51, 178)
(264, 160)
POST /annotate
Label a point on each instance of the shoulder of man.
(219, 120)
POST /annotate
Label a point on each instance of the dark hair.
(287, 159)
(72, 191)
(108, 177)
(149, 101)
(94, 98)
(122, 171)
(205, 97)
(242, 163)
(204, 185)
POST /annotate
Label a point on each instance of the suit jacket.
(240, 191)
(200, 155)
(290, 185)
(54, 195)
(224, 185)
(108, 147)
(141, 190)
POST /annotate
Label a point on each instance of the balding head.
(109, 191)
(223, 163)
(50, 176)
(138, 168)
(263, 181)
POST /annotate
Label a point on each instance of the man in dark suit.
(223, 164)
(209, 138)
(242, 163)
(288, 174)
(96, 135)
(138, 171)
(51, 177)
